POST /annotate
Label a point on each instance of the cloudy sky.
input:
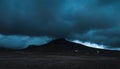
(26, 22)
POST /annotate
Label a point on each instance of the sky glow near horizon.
(89, 44)
(94, 45)
(21, 42)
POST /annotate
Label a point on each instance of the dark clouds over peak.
(85, 20)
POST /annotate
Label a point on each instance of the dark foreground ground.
(60, 54)
(28, 61)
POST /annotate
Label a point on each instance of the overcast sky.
(95, 21)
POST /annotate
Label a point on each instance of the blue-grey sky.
(25, 22)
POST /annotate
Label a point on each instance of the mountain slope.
(62, 46)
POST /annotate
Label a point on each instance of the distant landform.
(64, 47)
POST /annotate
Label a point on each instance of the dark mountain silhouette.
(59, 54)
(62, 46)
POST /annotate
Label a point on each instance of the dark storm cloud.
(29, 17)
(96, 23)
(112, 36)
(85, 20)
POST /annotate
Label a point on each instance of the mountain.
(59, 54)
(62, 46)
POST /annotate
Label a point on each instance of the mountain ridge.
(64, 46)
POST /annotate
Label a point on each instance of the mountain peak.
(60, 40)
(63, 46)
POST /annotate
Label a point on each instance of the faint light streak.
(89, 44)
